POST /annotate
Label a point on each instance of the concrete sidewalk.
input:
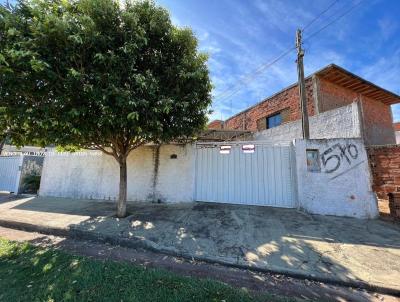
(340, 250)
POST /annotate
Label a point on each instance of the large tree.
(100, 75)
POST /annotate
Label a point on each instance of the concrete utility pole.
(302, 86)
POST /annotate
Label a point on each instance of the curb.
(75, 233)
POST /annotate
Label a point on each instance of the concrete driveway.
(343, 250)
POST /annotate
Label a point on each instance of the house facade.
(328, 89)
(258, 157)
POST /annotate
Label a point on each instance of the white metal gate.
(10, 173)
(249, 173)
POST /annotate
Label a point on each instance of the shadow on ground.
(281, 240)
(254, 281)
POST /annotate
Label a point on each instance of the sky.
(242, 35)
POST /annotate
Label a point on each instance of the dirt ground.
(383, 205)
(257, 282)
(384, 211)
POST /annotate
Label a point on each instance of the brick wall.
(216, 124)
(376, 117)
(332, 96)
(377, 123)
(385, 167)
(286, 100)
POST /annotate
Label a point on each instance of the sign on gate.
(10, 173)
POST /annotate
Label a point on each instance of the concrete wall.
(341, 122)
(152, 175)
(342, 187)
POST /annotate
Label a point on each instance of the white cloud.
(281, 17)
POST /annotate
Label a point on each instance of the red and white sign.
(248, 148)
(225, 149)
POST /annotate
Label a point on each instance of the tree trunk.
(121, 204)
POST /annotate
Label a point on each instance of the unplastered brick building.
(328, 91)
(340, 105)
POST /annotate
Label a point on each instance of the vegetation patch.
(31, 184)
(29, 273)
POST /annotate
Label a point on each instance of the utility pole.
(302, 86)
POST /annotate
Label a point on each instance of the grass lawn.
(29, 273)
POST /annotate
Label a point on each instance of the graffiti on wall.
(333, 157)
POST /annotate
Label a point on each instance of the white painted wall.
(345, 191)
(97, 176)
(340, 122)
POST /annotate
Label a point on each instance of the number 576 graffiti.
(336, 153)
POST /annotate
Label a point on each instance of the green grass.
(29, 273)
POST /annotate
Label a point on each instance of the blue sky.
(240, 35)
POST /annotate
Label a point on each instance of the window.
(274, 120)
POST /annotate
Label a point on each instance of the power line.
(253, 75)
(333, 21)
(229, 92)
(320, 14)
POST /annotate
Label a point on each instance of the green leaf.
(133, 116)
(90, 72)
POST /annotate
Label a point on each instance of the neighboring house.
(397, 132)
(327, 90)
(216, 124)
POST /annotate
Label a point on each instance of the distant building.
(397, 132)
(216, 124)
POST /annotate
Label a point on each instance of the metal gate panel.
(260, 178)
(10, 173)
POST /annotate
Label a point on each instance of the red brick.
(385, 171)
(287, 99)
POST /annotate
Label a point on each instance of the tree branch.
(113, 153)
